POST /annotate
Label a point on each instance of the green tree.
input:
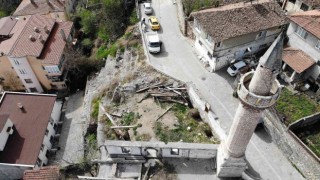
(114, 16)
(88, 21)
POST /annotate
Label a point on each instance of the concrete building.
(228, 33)
(28, 123)
(32, 53)
(257, 91)
(292, 6)
(55, 9)
(301, 60)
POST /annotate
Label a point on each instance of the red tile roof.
(309, 20)
(297, 59)
(51, 54)
(3, 120)
(44, 173)
(24, 46)
(6, 25)
(30, 124)
(312, 2)
(6, 46)
(239, 19)
(39, 7)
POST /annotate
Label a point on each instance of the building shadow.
(263, 134)
(251, 172)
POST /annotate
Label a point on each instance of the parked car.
(153, 22)
(153, 41)
(147, 8)
(234, 69)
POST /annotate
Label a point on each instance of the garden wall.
(290, 146)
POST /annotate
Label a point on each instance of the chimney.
(32, 38)
(32, 1)
(41, 38)
(63, 35)
(35, 29)
(20, 106)
(46, 29)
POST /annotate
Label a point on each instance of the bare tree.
(11, 81)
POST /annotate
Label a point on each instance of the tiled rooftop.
(30, 124)
(309, 20)
(239, 19)
(26, 7)
(298, 60)
(44, 173)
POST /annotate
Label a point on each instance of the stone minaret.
(257, 91)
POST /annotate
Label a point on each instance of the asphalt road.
(179, 60)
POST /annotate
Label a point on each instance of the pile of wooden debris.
(161, 92)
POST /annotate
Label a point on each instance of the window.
(42, 146)
(304, 7)
(33, 89)
(197, 25)
(39, 162)
(16, 62)
(318, 45)
(301, 32)
(218, 44)
(9, 129)
(209, 38)
(209, 55)
(260, 34)
(22, 71)
(126, 150)
(28, 80)
(174, 152)
(200, 42)
(47, 131)
(292, 1)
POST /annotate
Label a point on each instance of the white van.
(153, 42)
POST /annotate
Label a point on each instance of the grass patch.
(104, 51)
(128, 119)
(295, 106)
(197, 133)
(95, 109)
(109, 133)
(143, 137)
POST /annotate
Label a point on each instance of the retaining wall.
(291, 148)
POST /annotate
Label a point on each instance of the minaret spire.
(257, 91)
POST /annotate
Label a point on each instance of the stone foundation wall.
(205, 111)
(290, 147)
(181, 16)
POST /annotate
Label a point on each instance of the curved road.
(179, 60)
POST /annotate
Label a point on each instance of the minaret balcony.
(254, 100)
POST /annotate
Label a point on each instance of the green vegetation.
(109, 133)
(199, 131)
(295, 106)
(128, 119)
(3, 13)
(195, 5)
(95, 109)
(143, 137)
(133, 17)
(313, 142)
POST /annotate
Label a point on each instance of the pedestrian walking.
(143, 21)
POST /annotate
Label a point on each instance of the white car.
(147, 8)
(234, 68)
